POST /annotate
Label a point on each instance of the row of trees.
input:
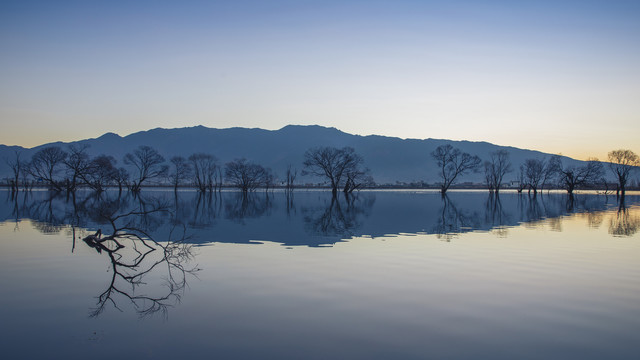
(342, 168)
(534, 174)
(67, 170)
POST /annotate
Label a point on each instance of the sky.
(555, 76)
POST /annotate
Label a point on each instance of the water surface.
(383, 274)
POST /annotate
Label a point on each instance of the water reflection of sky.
(518, 277)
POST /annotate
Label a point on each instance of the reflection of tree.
(453, 221)
(247, 205)
(205, 209)
(494, 214)
(341, 217)
(290, 207)
(595, 219)
(624, 223)
(137, 260)
(534, 211)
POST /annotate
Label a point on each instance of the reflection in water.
(341, 217)
(453, 221)
(241, 206)
(624, 223)
(540, 293)
(312, 218)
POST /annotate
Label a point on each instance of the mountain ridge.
(391, 159)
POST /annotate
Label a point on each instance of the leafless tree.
(17, 166)
(269, 179)
(101, 172)
(148, 163)
(356, 178)
(533, 173)
(45, 165)
(551, 170)
(522, 180)
(77, 164)
(121, 177)
(453, 163)
(204, 167)
(495, 169)
(181, 171)
(136, 257)
(331, 163)
(621, 163)
(572, 177)
(291, 177)
(245, 175)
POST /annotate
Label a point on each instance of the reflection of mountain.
(309, 218)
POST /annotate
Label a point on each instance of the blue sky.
(557, 76)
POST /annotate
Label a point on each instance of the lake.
(376, 275)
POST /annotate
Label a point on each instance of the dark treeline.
(68, 170)
(536, 174)
(342, 169)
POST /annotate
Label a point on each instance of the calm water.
(379, 275)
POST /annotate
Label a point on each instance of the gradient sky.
(556, 76)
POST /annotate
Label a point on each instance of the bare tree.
(551, 170)
(291, 177)
(269, 179)
(245, 175)
(621, 163)
(121, 177)
(204, 170)
(77, 164)
(181, 171)
(101, 172)
(135, 258)
(522, 179)
(453, 163)
(331, 163)
(148, 163)
(533, 173)
(357, 177)
(17, 167)
(572, 178)
(45, 165)
(496, 169)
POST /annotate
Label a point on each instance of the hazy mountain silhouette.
(390, 159)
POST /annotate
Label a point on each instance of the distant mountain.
(390, 159)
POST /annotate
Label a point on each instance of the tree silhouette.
(204, 170)
(332, 163)
(181, 171)
(495, 169)
(17, 167)
(572, 177)
(453, 163)
(77, 163)
(621, 163)
(101, 172)
(148, 163)
(45, 165)
(135, 256)
(245, 175)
